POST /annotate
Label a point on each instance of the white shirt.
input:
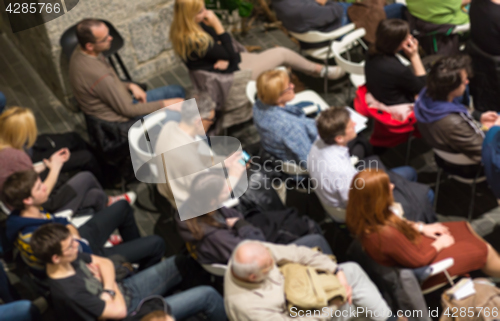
(331, 168)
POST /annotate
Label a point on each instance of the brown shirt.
(99, 91)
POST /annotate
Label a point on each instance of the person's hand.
(57, 159)
(39, 167)
(443, 241)
(138, 93)
(95, 272)
(489, 118)
(348, 289)
(173, 104)
(233, 165)
(410, 47)
(221, 65)
(435, 230)
(230, 221)
(105, 296)
(321, 2)
(211, 19)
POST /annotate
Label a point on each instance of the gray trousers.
(365, 297)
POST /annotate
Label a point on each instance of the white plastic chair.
(323, 53)
(136, 133)
(215, 269)
(356, 70)
(440, 267)
(460, 160)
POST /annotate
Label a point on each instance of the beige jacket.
(266, 300)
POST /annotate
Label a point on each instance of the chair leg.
(408, 148)
(325, 78)
(436, 194)
(473, 195)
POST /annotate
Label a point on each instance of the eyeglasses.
(290, 87)
(103, 40)
(73, 240)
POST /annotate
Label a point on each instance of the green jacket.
(438, 12)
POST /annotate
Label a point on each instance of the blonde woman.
(199, 38)
(18, 131)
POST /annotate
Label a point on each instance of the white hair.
(244, 270)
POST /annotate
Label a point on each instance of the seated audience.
(254, 286)
(439, 12)
(393, 241)
(98, 89)
(322, 15)
(83, 285)
(189, 135)
(81, 155)
(387, 79)
(27, 193)
(12, 308)
(485, 25)
(285, 130)
(199, 38)
(3, 102)
(443, 121)
(214, 236)
(17, 132)
(80, 159)
(329, 162)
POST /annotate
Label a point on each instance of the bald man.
(254, 286)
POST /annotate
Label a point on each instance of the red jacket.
(387, 132)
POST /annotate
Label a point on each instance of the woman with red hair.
(393, 241)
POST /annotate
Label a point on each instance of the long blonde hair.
(17, 128)
(186, 35)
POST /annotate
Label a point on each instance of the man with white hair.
(254, 286)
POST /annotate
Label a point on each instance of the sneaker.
(130, 197)
(115, 239)
(334, 72)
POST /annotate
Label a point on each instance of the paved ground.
(24, 87)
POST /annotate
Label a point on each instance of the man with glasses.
(26, 193)
(83, 286)
(98, 89)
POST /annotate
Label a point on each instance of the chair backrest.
(318, 36)
(141, 148)
(251, 91)
(291, 168)
(69, 41)
(215, 269)
(336, 213)
(453, 158)
(461, 28)
(339, 47)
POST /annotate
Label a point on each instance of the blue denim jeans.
(392, 11)
(16, 311)
(166, 92)
(410, 174)
(3, 102)
(313, 240)
(160, 279)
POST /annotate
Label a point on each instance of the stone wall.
(144, 25)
